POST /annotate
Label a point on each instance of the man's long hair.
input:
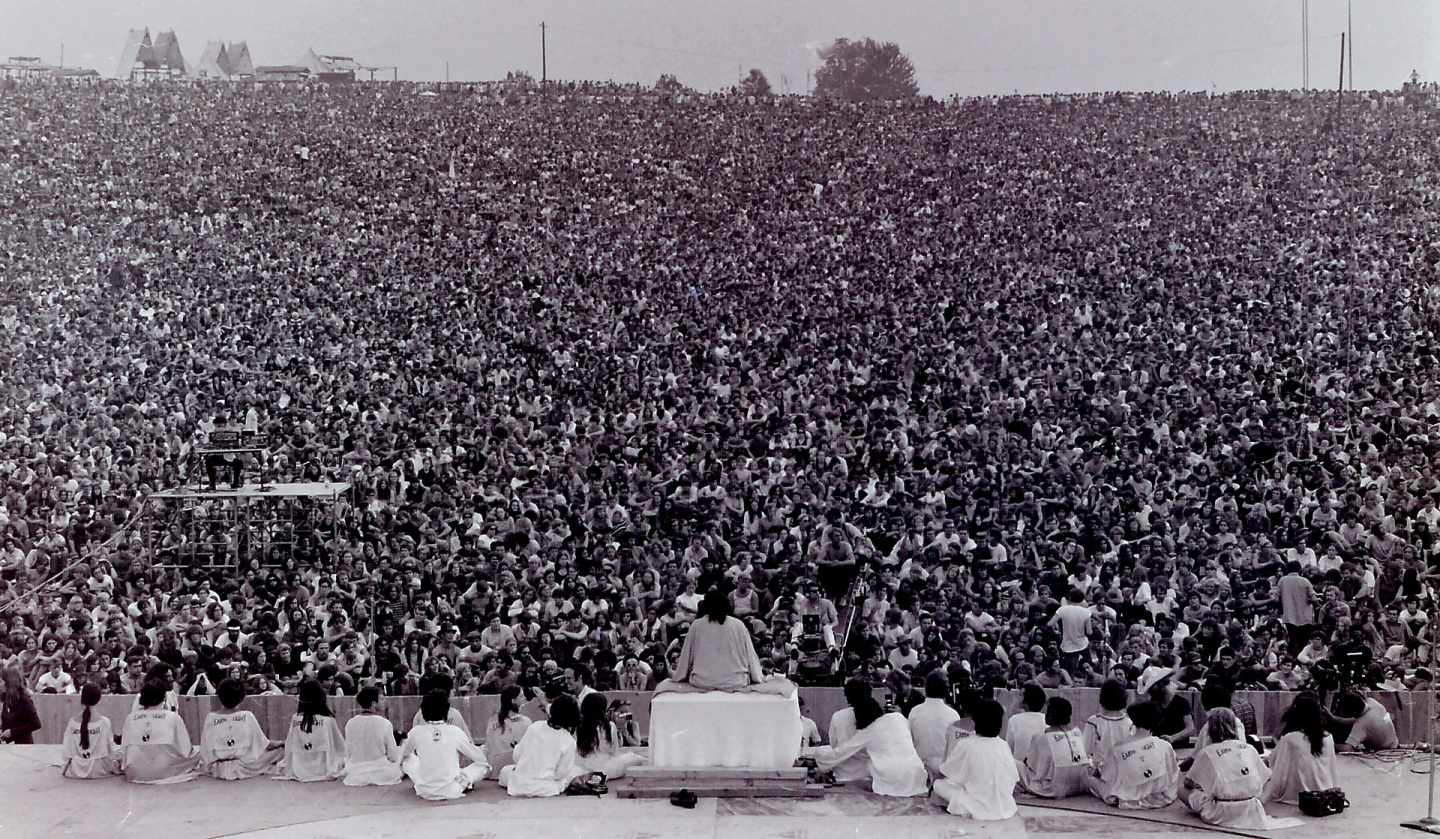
(715, 606)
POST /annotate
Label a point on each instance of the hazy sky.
(958, 46)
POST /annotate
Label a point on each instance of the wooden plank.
(720, 791)
(659, 773)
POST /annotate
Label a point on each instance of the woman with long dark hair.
(314, 746)
(884, 740)
(504, 731)
(598, 743)
(89, 746)
(1304, 756)
(18, 719)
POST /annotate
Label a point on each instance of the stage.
(37, 802)
(253, 491)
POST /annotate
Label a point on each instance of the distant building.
(330, 69)
(144, 59)
(28, 68)
(282, 73)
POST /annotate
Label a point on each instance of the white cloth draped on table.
(696, 730)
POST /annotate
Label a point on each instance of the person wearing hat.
(1174, 721)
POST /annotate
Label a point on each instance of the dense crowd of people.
(1021, 390)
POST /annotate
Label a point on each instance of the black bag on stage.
(1324, 802)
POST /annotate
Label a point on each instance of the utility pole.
(544, 75)
(1340, 91)
(1304, 44)
(447, 72)
(62, 55)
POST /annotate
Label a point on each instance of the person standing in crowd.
(18, 718)
(372, 757)
(233, 746)
(979, 774)
(1055, 764)
(155, 746)
(314, 745)
(88, 750)
(1225, 783)
(545, 761)
(892, 766)
(431, 757)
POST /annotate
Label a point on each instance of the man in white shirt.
(930, 722)
(431, 757)
(55, 680)
(1074, 620)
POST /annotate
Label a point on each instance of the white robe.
(1055, 764)
(234, 747)
(1294, 769)
(372, 757)
(314, 755)
(979, 780)
(432, 760)
(101, 760)
(1224, 786)
(1142, 775)
(1102, 734)
(930, 723)
(500, 742)
(892, 764)
(1020, 729)
(157, 748)
(607, 757)
(544, 763)
(454, 718)
(842, 728)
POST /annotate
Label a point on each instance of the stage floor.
(36, 802)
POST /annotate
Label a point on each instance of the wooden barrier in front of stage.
(1411, 711)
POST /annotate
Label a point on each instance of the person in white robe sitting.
(597, 743)
(842, 728)
(446, 685)
(545, 756)
(718, 654)
(1142, 773)
(1227, 778)
(1021, 728)
(930, 722)
(1107, 729)
(979, 773)
(1055, 763)
(372, 757)
(504, 731)
(432, 753)
(1304, 757)
(88, 751)
(165, 674)
(892, 765)
(233, 746)
(154, 743)
(314, 746)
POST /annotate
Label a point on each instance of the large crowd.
(1029, 390)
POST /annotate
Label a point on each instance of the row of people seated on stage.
(974, 766)
(573, 744)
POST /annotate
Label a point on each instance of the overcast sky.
(958, 46)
